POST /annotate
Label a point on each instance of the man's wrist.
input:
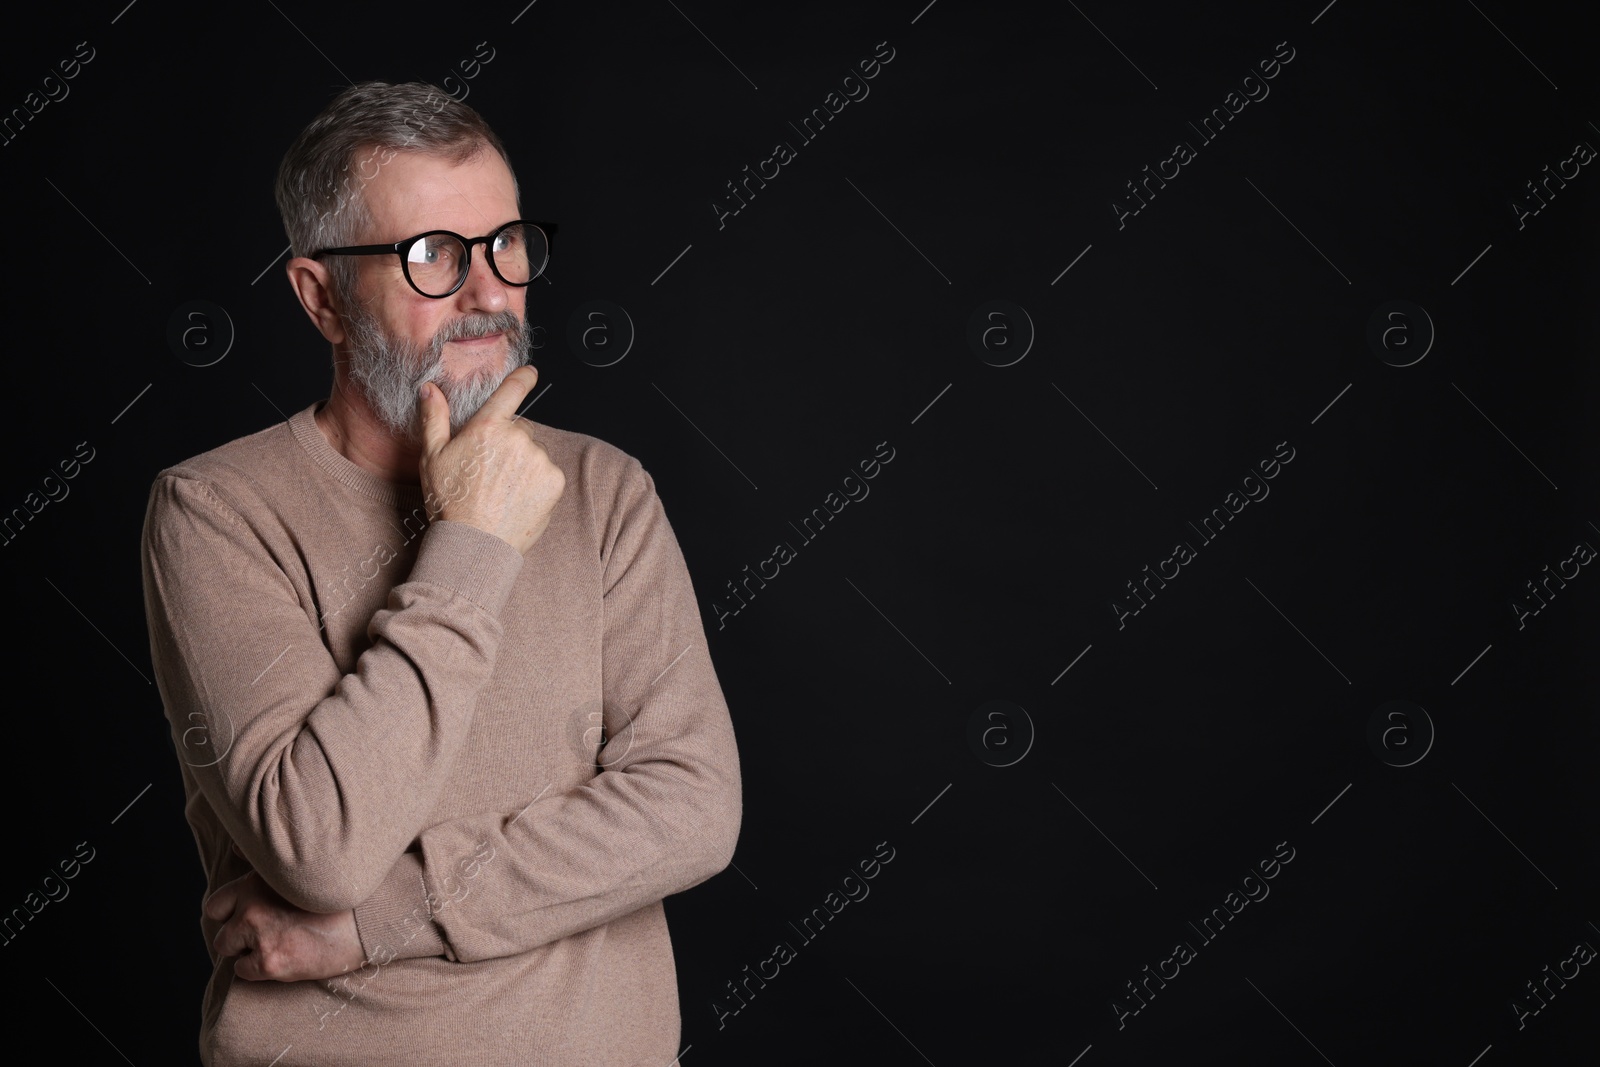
(396, 921)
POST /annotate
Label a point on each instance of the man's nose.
(482, 290)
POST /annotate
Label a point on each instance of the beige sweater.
(407, 719)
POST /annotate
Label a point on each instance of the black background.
(832, 314)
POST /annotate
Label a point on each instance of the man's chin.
(468, 395)
(466, 389)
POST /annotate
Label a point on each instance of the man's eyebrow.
(441, 229)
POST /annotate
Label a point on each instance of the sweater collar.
(304, 426)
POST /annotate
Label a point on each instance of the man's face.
(396, 338)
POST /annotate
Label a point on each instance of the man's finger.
(219, 905)
(505, 400)
(248, 967)
(232, 940)
(434, 410)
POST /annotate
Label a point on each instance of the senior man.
(447, 721)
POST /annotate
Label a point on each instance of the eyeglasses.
(436, 263)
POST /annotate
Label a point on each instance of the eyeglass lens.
(438, 262)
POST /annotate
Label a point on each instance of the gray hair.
(319, 185)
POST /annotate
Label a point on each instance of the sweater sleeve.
(322, 779)
(661, 815)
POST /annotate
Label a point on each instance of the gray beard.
(389, 370)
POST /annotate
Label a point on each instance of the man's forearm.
(499, 883)
(299, 785)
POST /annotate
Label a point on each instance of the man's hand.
(512, 490)
(276, 940)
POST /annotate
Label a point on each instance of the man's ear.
(313, 286)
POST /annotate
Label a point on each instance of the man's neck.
(356, 435)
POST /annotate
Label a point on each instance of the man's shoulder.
(266, 475)
(611, 483)
(243, 467)
(261, 448)
(603, 467)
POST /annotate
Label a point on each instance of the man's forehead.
(415, 191)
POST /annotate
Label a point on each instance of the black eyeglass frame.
(403, 249)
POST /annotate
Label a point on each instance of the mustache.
(479, 324)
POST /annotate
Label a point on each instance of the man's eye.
(429, 253)
(504, 242)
